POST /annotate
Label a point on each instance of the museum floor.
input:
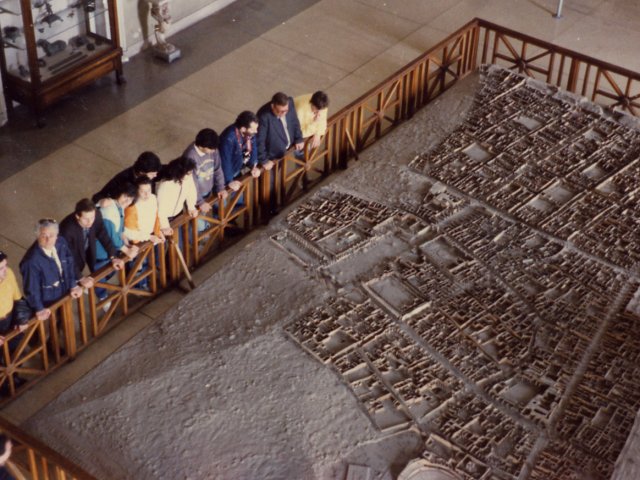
(235, 61)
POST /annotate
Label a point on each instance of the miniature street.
(501, 330)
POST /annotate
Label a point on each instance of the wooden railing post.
(68, 328)
(572, 81)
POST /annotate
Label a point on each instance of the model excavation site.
(480, 299)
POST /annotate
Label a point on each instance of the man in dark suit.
(81, 229)
(278, 129)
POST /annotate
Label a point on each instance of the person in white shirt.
(176, 189)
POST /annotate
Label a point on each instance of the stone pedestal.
(167, 54)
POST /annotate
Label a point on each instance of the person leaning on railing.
(207, 175)
(14, 311)
(112, 211)
(312, 113)
(48, 270)
(238, 149)
(81, 229)
(141, 223)
(175, 189)
(146, 165)
(278, 129)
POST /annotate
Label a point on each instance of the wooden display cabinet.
(52, 47)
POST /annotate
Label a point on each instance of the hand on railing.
(43, 314)
(315, 140)
(117, 263)
(204, 207)
(17, 330)
(160, 238)
(130, 251)
(86, 282)
(76, 292)
(222, 194)
(268, 165)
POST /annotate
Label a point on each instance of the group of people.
(138, 204)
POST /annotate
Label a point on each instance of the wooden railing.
(33, 460)
(75, 324)
(609, 85)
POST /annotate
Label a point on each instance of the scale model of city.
(505, 328)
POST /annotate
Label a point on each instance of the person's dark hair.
(143, 180)
(124, 188)
(320, 100)
(147, 162)
(3, 443)
(245, 119)
(280, 99)
(3, 256)
(176, 169)
(207, 138)
(84, 205)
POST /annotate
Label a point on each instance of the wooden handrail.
(556, 48)
(37, 459)
(395, 76)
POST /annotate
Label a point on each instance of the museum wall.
(136, 26)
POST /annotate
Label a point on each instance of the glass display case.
(50, 47)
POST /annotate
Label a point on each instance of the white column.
(3, 107)
(120, 5)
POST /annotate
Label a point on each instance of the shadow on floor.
(22, 143)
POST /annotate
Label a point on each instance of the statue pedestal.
(167, 54)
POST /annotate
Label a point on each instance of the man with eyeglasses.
(278, 130)
(238, 149)
(48, 270)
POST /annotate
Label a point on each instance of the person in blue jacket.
(48, 271)
(238, 149)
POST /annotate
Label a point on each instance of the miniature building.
(502, 331)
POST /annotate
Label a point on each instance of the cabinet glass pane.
(68, 32)
(13, 41)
